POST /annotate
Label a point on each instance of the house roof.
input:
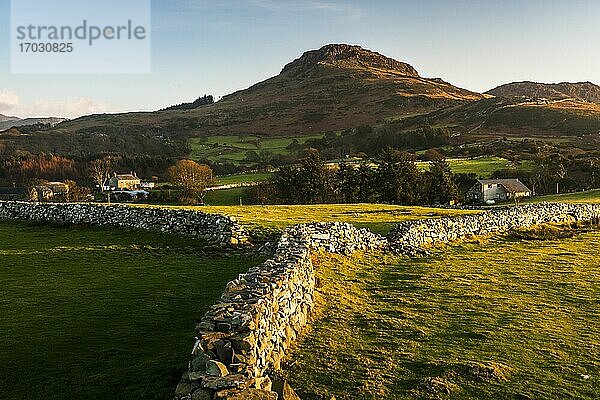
(512, 185)
(126, 177)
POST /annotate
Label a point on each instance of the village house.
(494, 190)
(58, 188)
(50, 191)
(128, 181)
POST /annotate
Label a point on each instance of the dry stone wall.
(411, 236)
(242, 339)
(213, 228)
(245, 336)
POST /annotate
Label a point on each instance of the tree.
(355, 185)
(100, 171)
(561, 173)
(441, 185)
(312, 179)
(32, 191)
(397, 177)
(76, 193)
(301, 184)
(286, 181)
(192, 178)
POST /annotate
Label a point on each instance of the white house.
(493, 190)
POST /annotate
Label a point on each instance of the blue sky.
(216, 47)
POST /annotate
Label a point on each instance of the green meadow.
(92, 313)
(505, 319)
(234, 148)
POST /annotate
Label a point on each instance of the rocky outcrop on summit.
(347, 56)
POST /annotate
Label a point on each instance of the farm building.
(49, 191)
(493, 190)
(128, 181)
(58, 188)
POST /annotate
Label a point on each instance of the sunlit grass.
(506, 319)
(590, 196)
(483, 167)
(377, 217)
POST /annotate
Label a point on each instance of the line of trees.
(392, 178)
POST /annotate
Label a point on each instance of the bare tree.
(561, 173)
(76, 193)
(100, 171)
(193, 178)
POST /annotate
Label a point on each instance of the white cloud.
(70, 108)
(10, 103)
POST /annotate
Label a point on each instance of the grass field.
(225, 197)
(101, 313)
(377, 217)
(243, 178)
(233, 148)
(503, 320)
(484, 167)
(590, 196)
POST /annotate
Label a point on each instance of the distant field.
(226, 197)
(484, 167)
(377, 217)
(101, 313)
(234, 149)
(590, 196)
(503, 320)
(243, 178)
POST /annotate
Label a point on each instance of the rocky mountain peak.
(346, 56)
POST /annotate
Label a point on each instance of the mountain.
(331, 89)
(523, 109)
(514, 116)
(14, 122)
(336, 87)
(581, 91)
(4, 118)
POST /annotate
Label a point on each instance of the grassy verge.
(101, 313)
(509, 319)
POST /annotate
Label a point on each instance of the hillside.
(12, 122)
(4, 118)
(336, 87)
(581, 91)
(504, 116)
(331, 89)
